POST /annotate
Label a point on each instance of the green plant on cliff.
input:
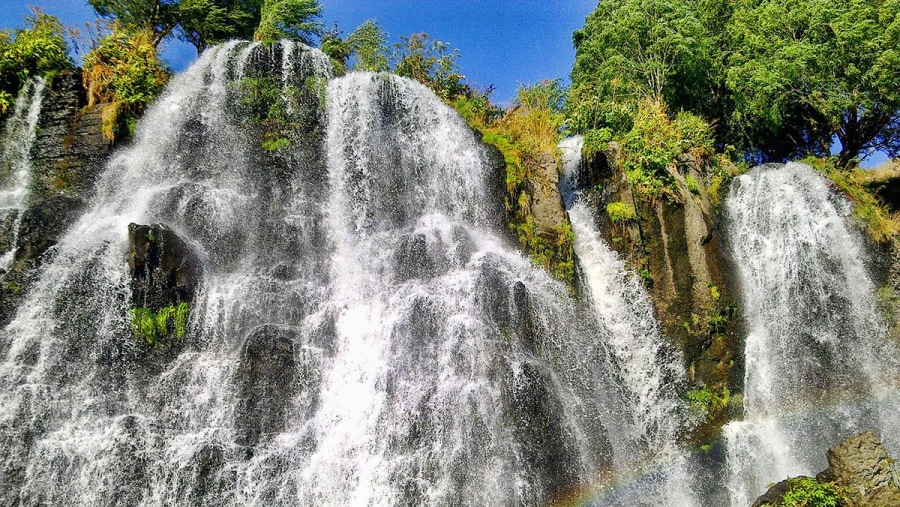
(653, 143)
(620, 212)
(170, 322)
(125, 73)
(39, 49)
(808, 492)
(709, 402)
(881, 223)
(529, 129)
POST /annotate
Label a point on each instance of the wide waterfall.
(363, 333)
(15, 164)
(819, 364)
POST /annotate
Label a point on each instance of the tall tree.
(811, 70)
(207, 22)
(290, 19)
(158, 17)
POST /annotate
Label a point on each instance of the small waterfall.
(363, 332)
(15, 165)
(819, 363)
(650, 369)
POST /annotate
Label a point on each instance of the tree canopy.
(775, 79)
(290, 19)
(207, 22)
(37, 49)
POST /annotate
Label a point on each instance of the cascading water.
(819, 364)
(651, 371)
(15, 165)
(362, 333)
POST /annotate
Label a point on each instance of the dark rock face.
(265, 379)
(68, 154)
(677, 246)
(164, 270)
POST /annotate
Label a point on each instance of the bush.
(808, 492)
(39, 49)
(124, 72)
(620, 213)
(653, 143)
(169, 322)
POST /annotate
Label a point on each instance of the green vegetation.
(772, 79)
(289, 19)
(620, 213)
(881, 224)
(808, 492)
(125, 73)
(37, 50)
(169, 323)
(524, 134)
(365, 49)
(709, 402)
(432, 63)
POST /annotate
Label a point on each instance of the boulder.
(265, 378)
(861, 464)
(164, 269)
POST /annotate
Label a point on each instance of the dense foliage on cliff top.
(774, 79)
(38, 49)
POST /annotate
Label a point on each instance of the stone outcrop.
(860, 467)
(546, 200)
(164, 270)
(68, 154)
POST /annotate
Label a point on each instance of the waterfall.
(15, 165)
(363, 331)
(819, 362)
(650, 369)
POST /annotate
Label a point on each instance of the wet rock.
(774, 495)
(163, 268)
(546, 200)
(265, 378)
(545, 444)
(861, 464)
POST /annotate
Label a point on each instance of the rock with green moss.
(165, 274)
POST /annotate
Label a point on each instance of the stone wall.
(68, 154)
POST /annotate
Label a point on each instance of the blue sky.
(501, 42)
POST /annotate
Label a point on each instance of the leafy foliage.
(813, 69)
(38, 49)
(808, 492)
(708, 402)
(207, 22)
(654, 141)
(289, 19)
(156, 17)
(364, 49)
(170, 323)
(432, 63)
(124, 72)
(620, 212)
(775, 79)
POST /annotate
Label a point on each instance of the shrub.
(808, 492)
(39, 49)
(169, 322)
(620, 213)
(124, 72)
